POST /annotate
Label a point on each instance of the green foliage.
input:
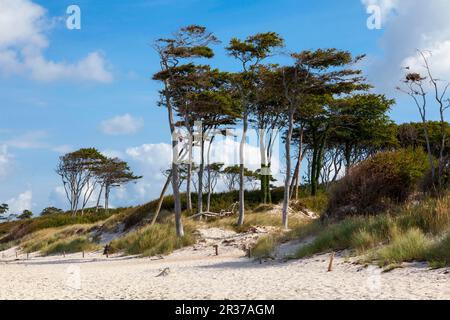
(4, 208)
(26, 214)
(371, 186)
(51, 210)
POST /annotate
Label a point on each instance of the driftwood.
(164, 272)
(223, 213)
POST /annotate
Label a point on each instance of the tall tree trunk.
(294, 179)
(300, 156)
(107, 189)
(242, 171)
(263, 173)
(208, 161)
(430, 153)
(348, 157)
(314, 170)
(98, 199)
(200, 176)
(161, 198)
(175, 168)
(288, 169)
(189, 168)
(318, 166)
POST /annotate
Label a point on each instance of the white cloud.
(29, 140)
(23, 40)
(5, 161)
(416, 24)
(438, 58)
(62, 149)
(152, 155)
(20, 203)
(122, 125)
(113, 153)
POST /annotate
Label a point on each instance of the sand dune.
(196, 273)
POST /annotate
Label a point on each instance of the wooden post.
(249, 252)
(28, 256)
(330, 265)
(216, 248)
(16, 255)
(83, 254)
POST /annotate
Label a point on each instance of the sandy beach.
(197, 273)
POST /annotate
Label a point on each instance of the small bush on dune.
(374, 184)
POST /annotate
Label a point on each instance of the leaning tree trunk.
(294, 179)
(242, 172)
(161, 198)
(288, 168)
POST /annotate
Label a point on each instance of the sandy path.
(196, 273)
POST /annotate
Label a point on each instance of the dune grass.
(18, 229)
(412, 232)
(265, 246)
(154, 240)
(58, 240)
(404, 247)
(70, 245)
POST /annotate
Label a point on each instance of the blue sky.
(65, 89)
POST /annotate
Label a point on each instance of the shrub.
(376, 183)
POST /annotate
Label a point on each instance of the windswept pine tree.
(174, 54)
(250, 53)
(315, 79)
(78, 173)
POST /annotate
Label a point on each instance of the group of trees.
(87, 170)
(417, 86)
(320, 103)
(4, 209)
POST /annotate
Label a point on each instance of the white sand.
(196, 273)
